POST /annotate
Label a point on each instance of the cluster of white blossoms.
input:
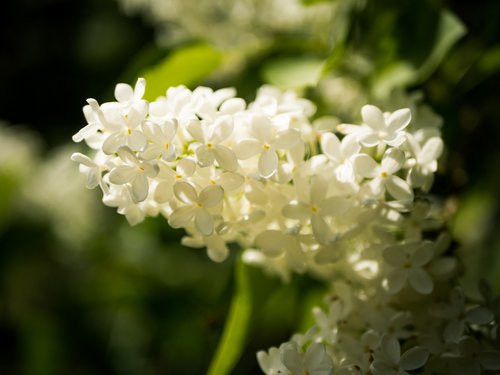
(346, 203)
(251, 21)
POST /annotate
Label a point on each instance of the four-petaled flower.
(195, 206)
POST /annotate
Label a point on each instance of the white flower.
(408, 261)
(318, 207)
(458, 315)
(217, 249)
(390, 361)
(379, 129)
(92, 170)
(211, 136)
(265, 141)
(472, 358)
(275, 243)
(133, 172)
(340, 153)
(195, 206)
(160, 138)
(423, 163)
(270, 362)
(383, 176)
(315, 361)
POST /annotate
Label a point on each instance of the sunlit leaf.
(186, 66)
(293, 73)
(449, 31)
(398, 74)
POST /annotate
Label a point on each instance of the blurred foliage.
(83, 293)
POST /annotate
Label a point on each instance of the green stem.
(233, 338)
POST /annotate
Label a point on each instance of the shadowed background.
(83, 293)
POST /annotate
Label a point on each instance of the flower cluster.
(343, 202)
(252, 21)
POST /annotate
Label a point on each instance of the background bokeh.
(82, 292)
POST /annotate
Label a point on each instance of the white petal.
(232, 105)
(399, 120)
(186, 167)
(123, 92)
(262, 128)
(181, 216)
(93, 178)
(163, 192)
(431, 151)
(319, 188)
(268, 163)
(127, 156)
(185, 192)
(454, 330)
(122, 174)
(334, 206)
(320, 229)
(365, 166)
(217, 249)
(421, 281)
(140, 188)
(396, 280)
(271, 242)
(369, 139)
(204, 156)
(222, 129)
(379, 367)
(390, 347)
(414, 358)
(83, 159)
(247, 148)
(395, 139)
(490, 360)
(211, 196)
(394, 256)
(330, 145)
(195, 129)
(398, 188)
(225, 158)
(373, 117)
(443, 267)
(393, 160)
(423, 254)
(230, 181)
(314, 356)
(139, 88)
(151, 130)
(292, 359)
(151, 152)
(349, 145)
(287, 139)
(204, 222)
(113, 143)
(297, 210)
(86, 132)
(137, 141)
(479, 315)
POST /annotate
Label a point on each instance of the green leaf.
(397, 74)
(293, 73)
(233, 338)
(450, 30)
(186, 66)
